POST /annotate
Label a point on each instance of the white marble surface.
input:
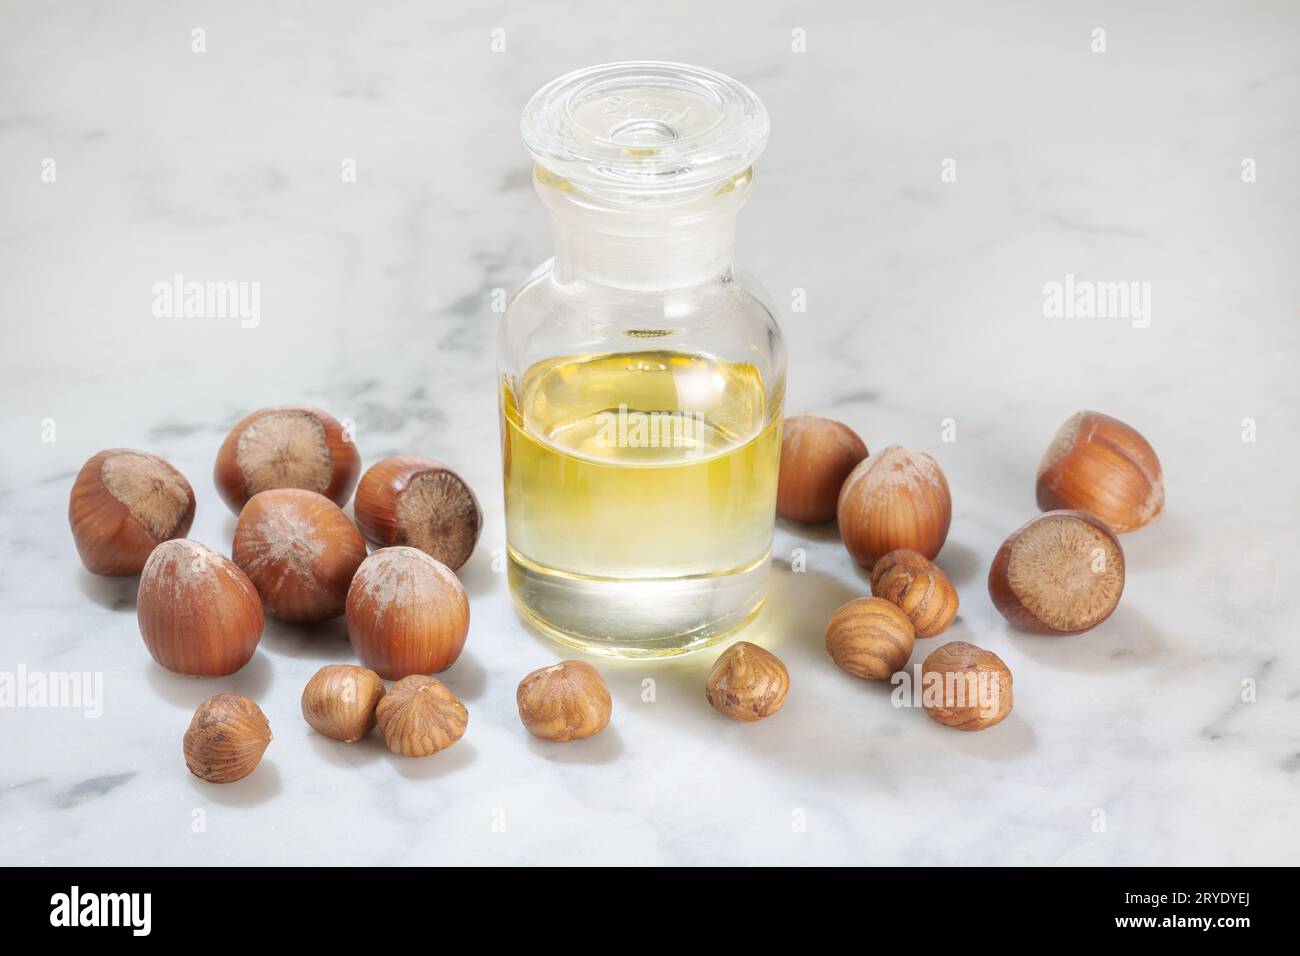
(924, 303)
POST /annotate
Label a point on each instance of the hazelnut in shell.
(965, 687)
(817, 454)
(566, 701)
(300, 551)
(1098, 464)
(870, 638)
(226, 738)
(747, 682)
(1062, 573)
(420, 502)
(198, 613)
(291, 446)
(894, 499)
(123, 504)
(420, 716)
(918, 587)
(407, 613)
(339, 701)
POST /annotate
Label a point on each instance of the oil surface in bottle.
(640, 493)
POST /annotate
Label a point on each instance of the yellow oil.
(640, 492)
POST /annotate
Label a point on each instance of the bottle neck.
(642, 248)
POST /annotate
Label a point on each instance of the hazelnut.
(1100, 465)
(123, 503)
(566, 701)
(747, 682)
(226, 738)
(294, 446)
(965, 686)
(895, 499)
(1062, 573)
(198, 613)
(817, 454)
(922, 591)
(300, 551)
(422, 503)
(870, 638)
(407, 613)
(420, 716)
(339, 701)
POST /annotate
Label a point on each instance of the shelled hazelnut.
(918, 587)
(870, 638)
(123, 504)
(420, 502)
(895, 499)
(1098, 464)
(198, 613)
(339, 701)
(226, 739)
(747, 682)
(965, 687)
(300, 551)
(420, 716)
(817, 454)
(1061, 573)
(406, 613)
(566, 701)
(293, 446)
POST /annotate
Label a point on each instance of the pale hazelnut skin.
(870, 638)
(339, 701)
(895, 499)
(747, 682)
(407, 613)
(919, 588)
(420, 716)
(300, 551)
(226, 738)
(198, 613)
(817, 454)
(566, 701)
(1100, 465)
(965, 669)
(123, 504)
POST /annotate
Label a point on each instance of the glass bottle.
(641, 379)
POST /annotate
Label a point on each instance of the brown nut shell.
(420, 716)
(919, 588)
(870, 638)
(817, 454)
(124, 503)
(566, 701)
(339, 701)
(1098, 464)
(420, 502)
(965, 687)
(289, 446)
(747, 682)
(407, 613)
(894, 499)
(1061, 573)
(198, 613)
(226, 739)
(300, 551)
